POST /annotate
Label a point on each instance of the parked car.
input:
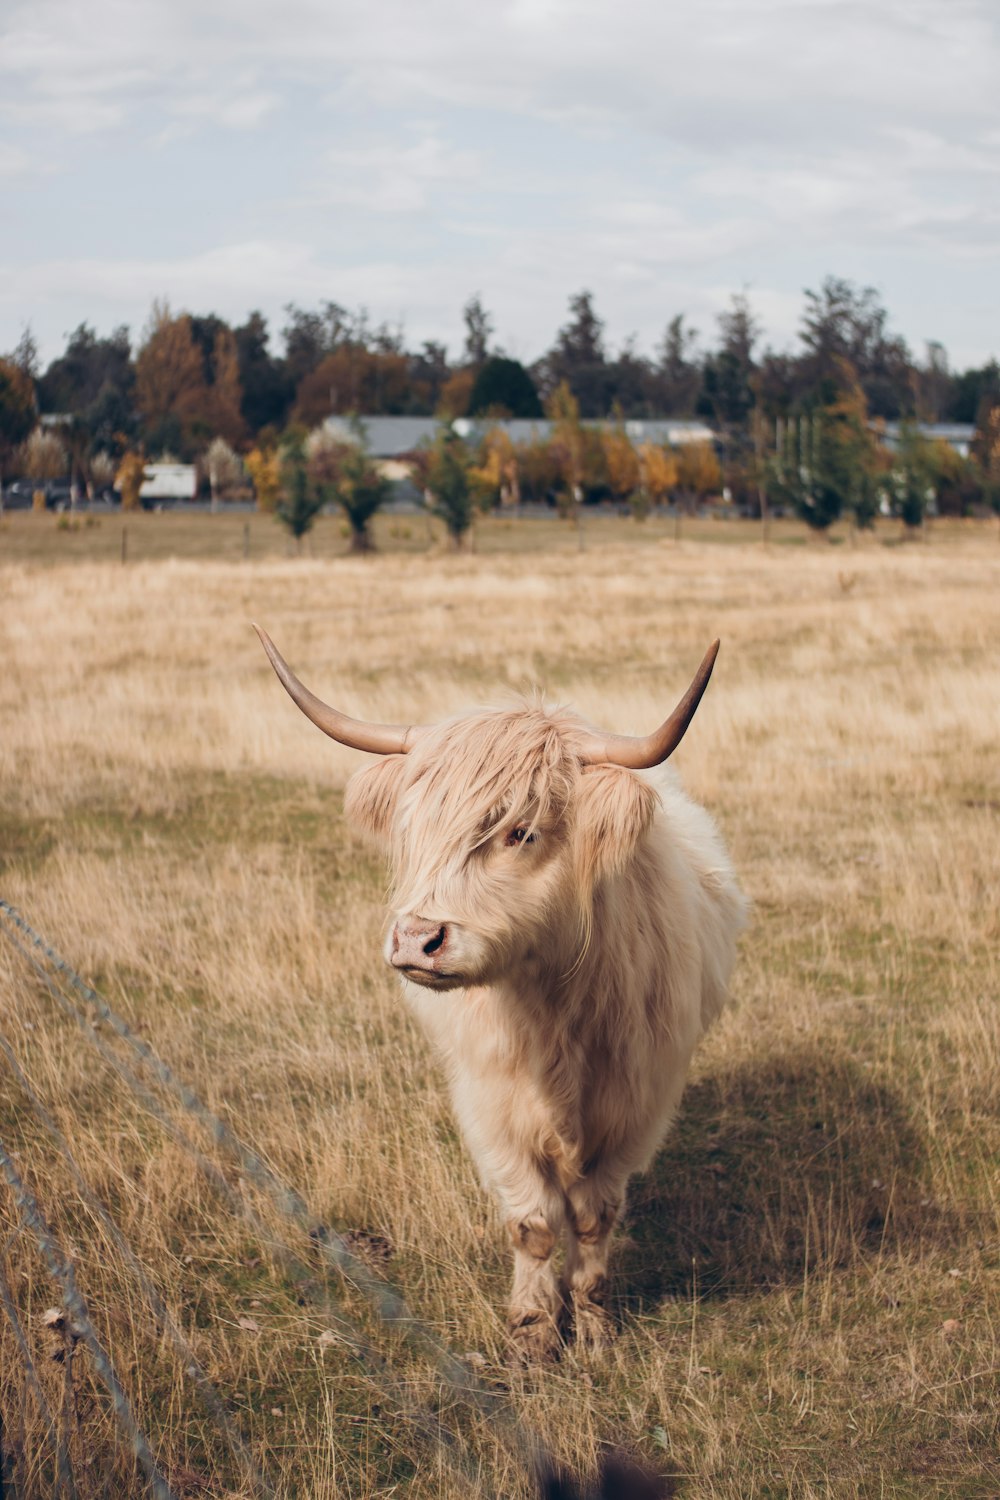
(20, 494)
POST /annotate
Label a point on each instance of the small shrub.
(640, 504)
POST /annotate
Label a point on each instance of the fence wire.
(523, 1445)
(64, 1472)
(60, 1268)
(189, 1360)
(423, 1421)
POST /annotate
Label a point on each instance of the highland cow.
(564, 924)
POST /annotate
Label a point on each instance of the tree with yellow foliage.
(538, 471)
(566, 444)
(698, 472)
(496, 478)
(264, 467)
(129, 479)
(620, 460)
(658, 468)
(456, 394)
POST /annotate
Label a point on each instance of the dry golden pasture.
(807, 1282)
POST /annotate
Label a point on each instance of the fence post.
(124, 544)
(246, 554)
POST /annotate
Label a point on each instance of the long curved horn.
(640, 754)
(378, 739)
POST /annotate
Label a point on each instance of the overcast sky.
(233, 154)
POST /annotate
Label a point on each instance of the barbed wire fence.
(148, 1078)
(64, 1485)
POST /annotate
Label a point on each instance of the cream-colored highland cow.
(564, 926)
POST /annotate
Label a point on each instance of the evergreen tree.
(911, 480)
(729, 372)
(448, 483)
(973, 394)
(578, 358)
(678, 375)
(844, 322)
(267, 390)
(503, 387)
(94, 382)
(302, 500)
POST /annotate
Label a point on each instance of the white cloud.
(225, 275)
(241, 109)
(733, 66)
(412, 153)
(387, 177)
(229, 279)
(14, 161)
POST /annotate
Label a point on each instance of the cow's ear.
(372, 794)
(614, 807)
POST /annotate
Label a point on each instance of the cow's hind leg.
(593, 1209)
(535, 1299)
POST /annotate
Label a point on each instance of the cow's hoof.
(534, 1340)
(595, 1329)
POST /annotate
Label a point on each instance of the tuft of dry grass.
(808, 1280)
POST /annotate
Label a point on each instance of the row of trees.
(824, 466)
(833, 461)
(195, 377)
(825, 463)
(304, 472)
(199, 388)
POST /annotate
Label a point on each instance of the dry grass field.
(808, 1280)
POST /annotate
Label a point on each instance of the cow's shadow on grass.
(802, 1160)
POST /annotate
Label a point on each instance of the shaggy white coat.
(583, 965)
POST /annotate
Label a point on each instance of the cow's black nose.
(437, 941)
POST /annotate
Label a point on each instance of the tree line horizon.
(793, 422)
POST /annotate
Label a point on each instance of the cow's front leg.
(593, 1207)
(536, 1299)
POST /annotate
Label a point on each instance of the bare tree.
(43, 456)
(223, 467)
(479, 330)
(102, 473)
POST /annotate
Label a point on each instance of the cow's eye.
(519, 835)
